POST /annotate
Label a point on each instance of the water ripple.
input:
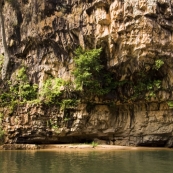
(86, 162)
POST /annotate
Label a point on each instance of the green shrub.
(170, 104)
(87, 68)
(22, 90)
(51, 90)
(146, 87)
(68, 103)
(90, 73)
(158, 64)
(5, 97)
(28, 92)
(94, 144)
(21, 74)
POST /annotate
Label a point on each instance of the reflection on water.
(125, 161)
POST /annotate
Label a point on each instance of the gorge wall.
(135, 35)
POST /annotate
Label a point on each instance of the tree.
(4, 43)
(87, 70)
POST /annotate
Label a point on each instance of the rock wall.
(138, 124)
(42, 35)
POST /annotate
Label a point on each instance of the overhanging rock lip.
(98, 3)
(109, 131)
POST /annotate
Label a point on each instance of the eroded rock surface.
(42, 35)
(149, 124)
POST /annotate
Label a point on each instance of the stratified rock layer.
(148, 124)
(42, 35)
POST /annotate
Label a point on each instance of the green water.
(125, 161)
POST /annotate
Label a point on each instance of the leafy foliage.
(94, 144)
(87, 68)
(94, 79)
(51, 90)
(21, 74)
(158, 64)
(170, 104)
(68, 103)
(20, 90)
(90, 73)
(146, 86)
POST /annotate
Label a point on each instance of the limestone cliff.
(136, 41)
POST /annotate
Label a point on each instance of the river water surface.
(91, 161)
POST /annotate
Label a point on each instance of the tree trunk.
(4, 43)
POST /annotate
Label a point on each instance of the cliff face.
(135, 35)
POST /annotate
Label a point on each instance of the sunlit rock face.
(42, 35)
(136, 29)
